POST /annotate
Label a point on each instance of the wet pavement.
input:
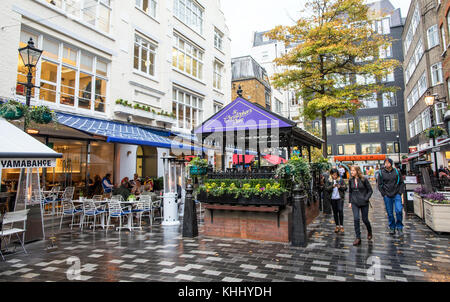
(161, 254)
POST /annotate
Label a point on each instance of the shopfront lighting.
(33, 131)
(429, 100)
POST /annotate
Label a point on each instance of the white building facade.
(265, 51)
(161, 64)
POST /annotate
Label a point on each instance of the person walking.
(391, 187)
(360, 192)
(335, 188)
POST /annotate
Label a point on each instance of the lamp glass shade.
(29, 54)
(429, 100)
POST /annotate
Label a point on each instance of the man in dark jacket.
(391, 187)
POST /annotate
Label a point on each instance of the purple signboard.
(241, 115)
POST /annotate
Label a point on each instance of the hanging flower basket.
(435, 132)
(12, 110)
(41, 115)
(198, 166)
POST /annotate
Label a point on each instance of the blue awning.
(116, 132)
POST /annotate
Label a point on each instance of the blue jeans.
(392, 203)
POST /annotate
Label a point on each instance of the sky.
(244, 17)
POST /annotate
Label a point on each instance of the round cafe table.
(129, 204)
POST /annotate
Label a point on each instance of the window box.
(121, 109)
(437, 216)
(281, 200)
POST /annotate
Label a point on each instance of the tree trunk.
(324, 135)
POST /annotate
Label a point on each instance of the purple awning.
(242, 115)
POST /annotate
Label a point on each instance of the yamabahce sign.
(19, 163)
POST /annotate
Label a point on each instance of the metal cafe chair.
(69, 209)
(67, 194)
(157, 204)
(139, 210)
(45, 202)
(90, 209)
(7, 231)
(147, 200)
(116, 211)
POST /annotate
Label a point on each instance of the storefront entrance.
(147, 161)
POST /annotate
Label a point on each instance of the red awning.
(239, 160)
(274, 160)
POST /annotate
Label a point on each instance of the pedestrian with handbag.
(335, 188)
(360, 192)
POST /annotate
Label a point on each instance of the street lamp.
(398, 150)
(30, 56)
(430, 99)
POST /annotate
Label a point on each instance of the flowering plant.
(437, 198)
(421, 191)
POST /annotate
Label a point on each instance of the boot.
(369, 236)
(336, 230)
(357, 242)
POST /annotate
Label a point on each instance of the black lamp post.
(398, 151)
(430, 99)
(30, 56)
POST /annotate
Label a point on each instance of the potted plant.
(437, 212)
(12, 110)
(198, 166)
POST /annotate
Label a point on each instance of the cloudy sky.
(247, 16)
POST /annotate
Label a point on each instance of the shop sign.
(410, 180)
(410, 195)
(19, 163)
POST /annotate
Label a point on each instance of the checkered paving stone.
(161, 254)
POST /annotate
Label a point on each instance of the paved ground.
(161, 254)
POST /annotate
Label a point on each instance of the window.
(433, 36)
(350, 149)
(439, 112)
(217, 107)
(340, 149)
(144, 55)
(412, 28)
(187, 58)
(374, 148)
(278, 106)
(317, 125)
(148, 6)
(369, 124)
(422, 84)
(218, 75)
(371, 102)
(436, 74)
(412, 129)
(329, 149)
(365, 79)
(345, 126)
(190, 13)
(391, 123)
(382, 26)
(388, 77)
(386, 52)
(95, 12)
(187, 108)
(448, 23)
(444, 44)
(392, 148)
(418, 124)
(75, 78)
(218, 39)
(389, 99)
(426, 119)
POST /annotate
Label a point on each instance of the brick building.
(253, 79)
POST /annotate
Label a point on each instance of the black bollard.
(299, 234)
(190, 227)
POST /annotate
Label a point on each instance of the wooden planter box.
(254, 201)
(437, 216)
(418, 205)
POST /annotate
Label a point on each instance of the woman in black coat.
(360, 191)
(334, 189)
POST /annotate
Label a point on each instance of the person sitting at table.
(148, 184)
(107, 185)
(137, 188)
(135, 178)
(124, 189)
